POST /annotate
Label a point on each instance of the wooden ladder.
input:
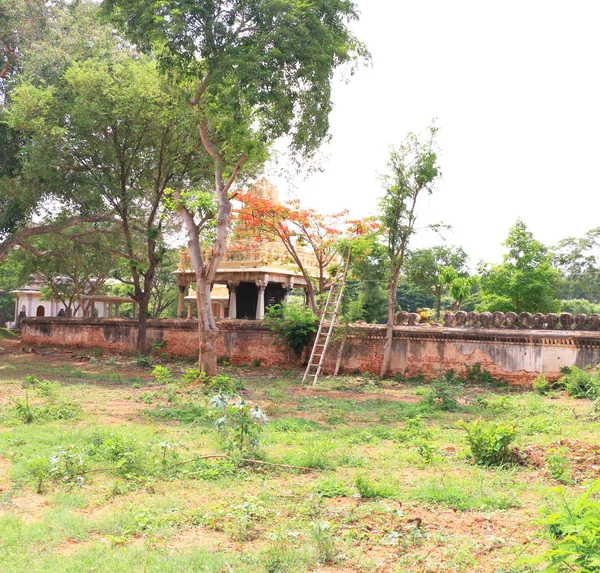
(330, 314)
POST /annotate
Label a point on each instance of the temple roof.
(247, 256)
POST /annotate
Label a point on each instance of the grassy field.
(106, 467)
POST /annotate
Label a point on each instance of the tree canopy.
(525, 280)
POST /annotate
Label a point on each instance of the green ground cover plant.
(357, 475)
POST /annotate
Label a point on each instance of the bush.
(444, 392)
(581, 384)
(295, 325)
(162, 375)
(490, 442)
(541, 385)
(575, 534)
(240, 422)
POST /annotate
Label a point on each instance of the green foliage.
(580, 306)
(469, 493)
(559, 467)
(581, 383)
(144, 361)
(490, 443)
(444, 392)
(240, 422)
(413, 432)
(578, 260)
(423, 269)
(53, 407)
(574, 533)
(525, 281)
(295, 325)
(332, 487)
(541, 385)
(369, 489)
(413, 170)
(162, 375)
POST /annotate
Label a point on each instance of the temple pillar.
(189, 313)
(117, 310)
(232, 286)
(110, 310)
(105, 311)
(134, 312)
(181, 302)
(260, 302)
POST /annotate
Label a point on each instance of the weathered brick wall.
(517, 355)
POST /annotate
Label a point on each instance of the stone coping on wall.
(421, 332)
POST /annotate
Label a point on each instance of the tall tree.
(262, 70)
(423, 269)
(578, 258)
(72, 271)
(524, 281)
(111, 137)
(413, 171)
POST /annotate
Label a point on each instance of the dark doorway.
(41, 311)
(247, 294)
(274, 294)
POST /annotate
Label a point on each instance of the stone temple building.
(252, 275)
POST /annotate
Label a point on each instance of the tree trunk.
(389, 333)
(142, 324)
(207, 328)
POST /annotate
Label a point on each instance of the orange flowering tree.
(311, 239)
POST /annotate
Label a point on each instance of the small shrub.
(581, 384)
(222, 384)
(332, 487)
(316, 454)
(476, 375)
(574, 530)
(444, 392)
(323, 536)
(541, 385)
(490, 442)
(162, 375)
(295, 325)
(240, 422)
(369, 489)
(414, 431)
(559, 467)
(256, 362)
(39, 470)
(144, 361)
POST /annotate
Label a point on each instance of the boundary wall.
(516, 355)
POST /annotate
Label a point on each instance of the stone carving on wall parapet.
(526, 319)
(485, 319)
(498, 319)
(402, 318)
(511, 319)
(566, 321)
(461, 318)
(472, 319)
(449, 320)
(414, 318)
(581, 321)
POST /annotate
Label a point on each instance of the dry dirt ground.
(142, 495)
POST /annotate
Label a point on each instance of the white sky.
(515, 88)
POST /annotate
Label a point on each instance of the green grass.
(6, 334)
(129, 484)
